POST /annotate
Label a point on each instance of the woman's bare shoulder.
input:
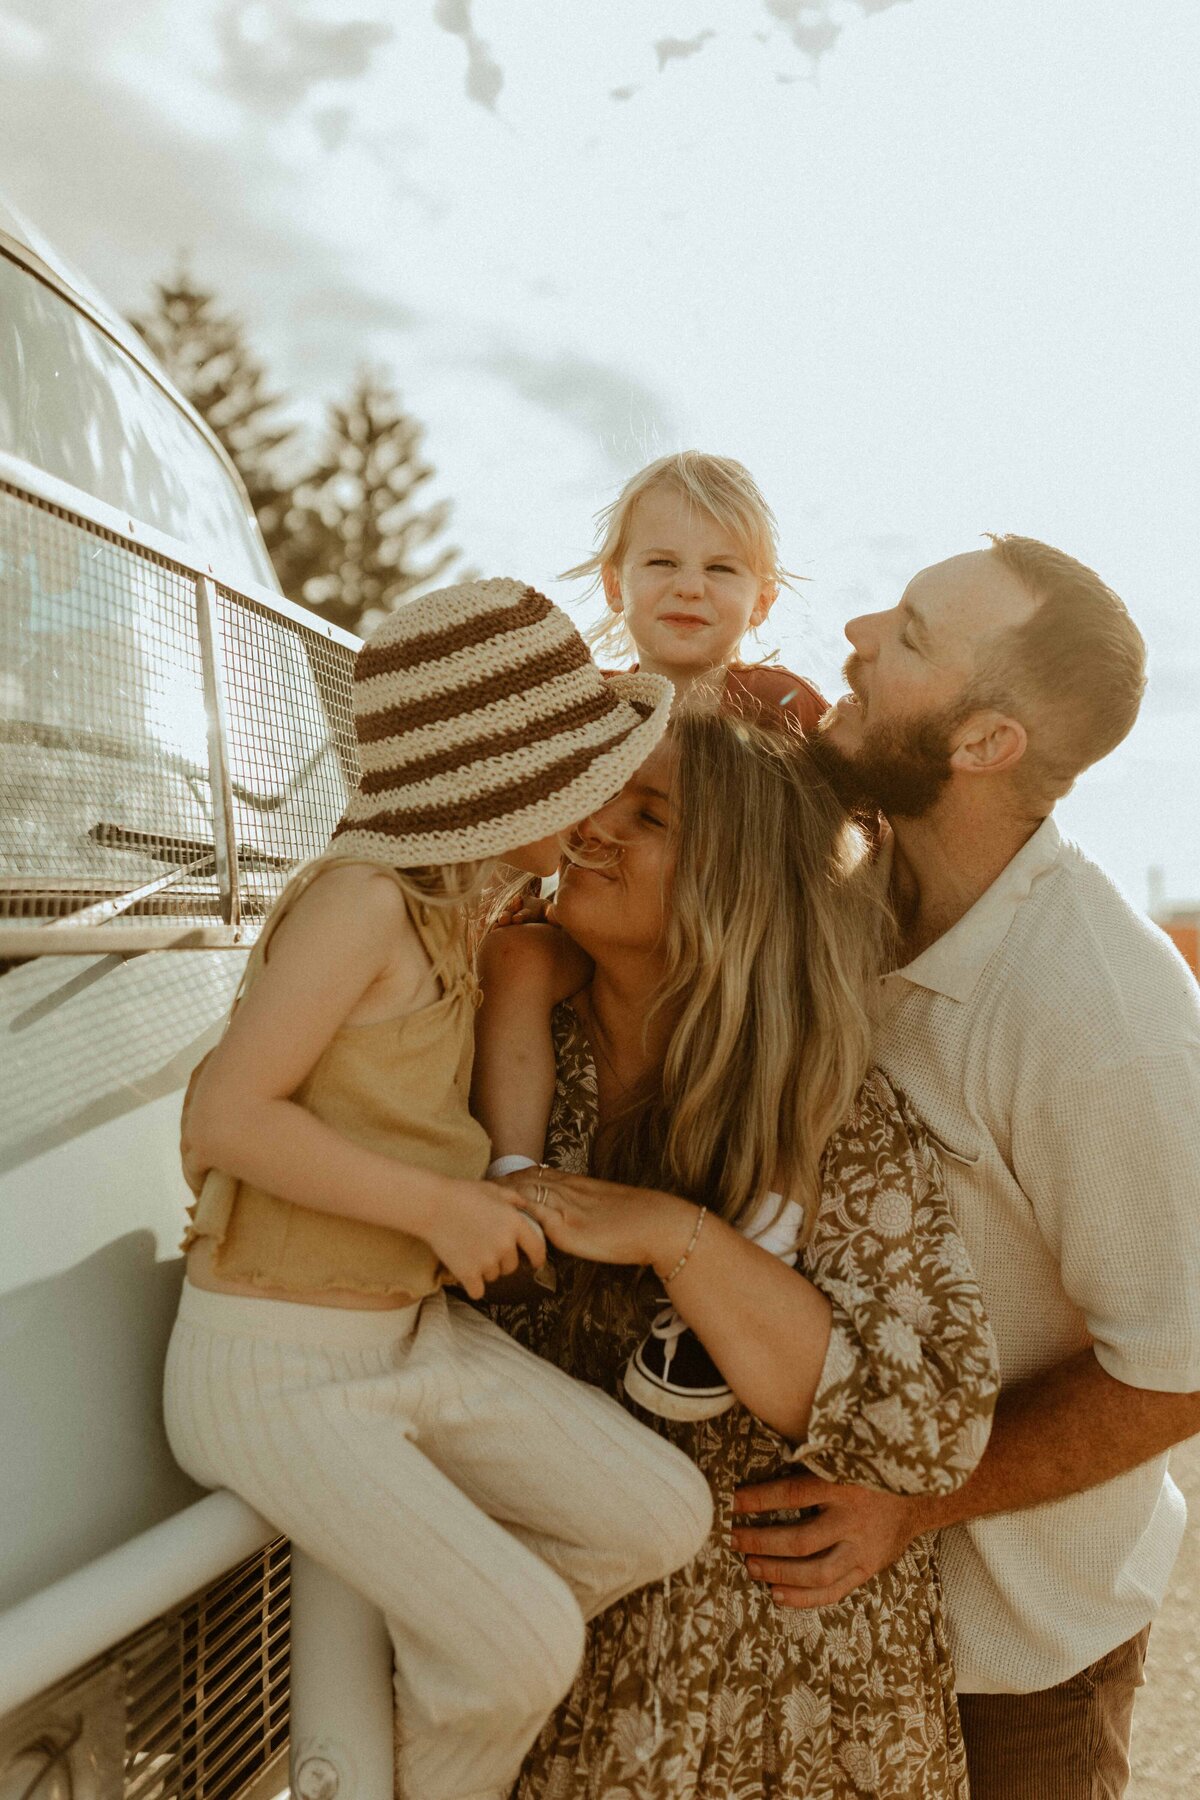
(539, 956)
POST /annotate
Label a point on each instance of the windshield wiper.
(164, 848)
(191, 855)
(101, 911)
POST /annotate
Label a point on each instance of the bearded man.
(1050, 1038)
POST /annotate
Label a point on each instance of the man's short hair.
(1073, 674)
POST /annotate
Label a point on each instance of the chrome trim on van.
(193, 1705)
(67, 1624)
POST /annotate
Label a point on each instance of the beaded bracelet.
(691, 1246)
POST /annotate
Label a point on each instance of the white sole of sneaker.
(664, 1403)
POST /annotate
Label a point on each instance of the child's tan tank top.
(400, 1087)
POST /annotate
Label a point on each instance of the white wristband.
(508, 1165)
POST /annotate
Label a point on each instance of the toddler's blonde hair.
(717, 485)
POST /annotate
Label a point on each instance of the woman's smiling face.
(620, 902)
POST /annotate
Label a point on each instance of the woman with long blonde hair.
(712, 1082)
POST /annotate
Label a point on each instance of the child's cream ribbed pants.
(486, 1502)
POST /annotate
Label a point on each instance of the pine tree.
(343, 538)
(205, 352)
(354, 527)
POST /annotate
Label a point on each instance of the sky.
(930, 269)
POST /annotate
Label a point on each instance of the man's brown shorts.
(1069, 1742)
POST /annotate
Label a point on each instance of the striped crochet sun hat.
(483, 724)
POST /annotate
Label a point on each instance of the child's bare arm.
(345, 934)
(524, 972)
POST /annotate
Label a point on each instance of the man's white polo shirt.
(1051, 1042)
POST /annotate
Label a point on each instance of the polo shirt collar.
(955, 961)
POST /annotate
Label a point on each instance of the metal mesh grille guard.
(169, 748)
(192, 1707)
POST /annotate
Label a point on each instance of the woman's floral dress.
(703, 1688)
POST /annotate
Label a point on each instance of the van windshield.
(74, 404)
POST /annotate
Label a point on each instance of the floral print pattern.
(702, 1688)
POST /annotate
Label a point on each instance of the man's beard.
(899, 768)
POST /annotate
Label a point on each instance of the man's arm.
(1070, 1428)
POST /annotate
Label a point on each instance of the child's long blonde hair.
(716, 485)
(774, 938)
(474, 892)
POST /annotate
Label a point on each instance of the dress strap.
(442, 932)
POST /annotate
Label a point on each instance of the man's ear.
(612, 588)
(768, 593)
(988, 743)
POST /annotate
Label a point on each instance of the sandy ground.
(1166, 1719)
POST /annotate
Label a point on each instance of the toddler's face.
(685, 586)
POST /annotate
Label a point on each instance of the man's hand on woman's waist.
(851, 1533)
(1072, 1427)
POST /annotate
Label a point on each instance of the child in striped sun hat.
(318, 1366)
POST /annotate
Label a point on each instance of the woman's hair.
(774, 935)
(715, 485)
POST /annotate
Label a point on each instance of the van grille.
(203, 1691)
(151, 789)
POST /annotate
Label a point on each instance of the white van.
(174, 736)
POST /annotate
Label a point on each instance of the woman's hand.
(604, 1221)
(478, 1232)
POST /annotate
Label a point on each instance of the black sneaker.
(672, 1375)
